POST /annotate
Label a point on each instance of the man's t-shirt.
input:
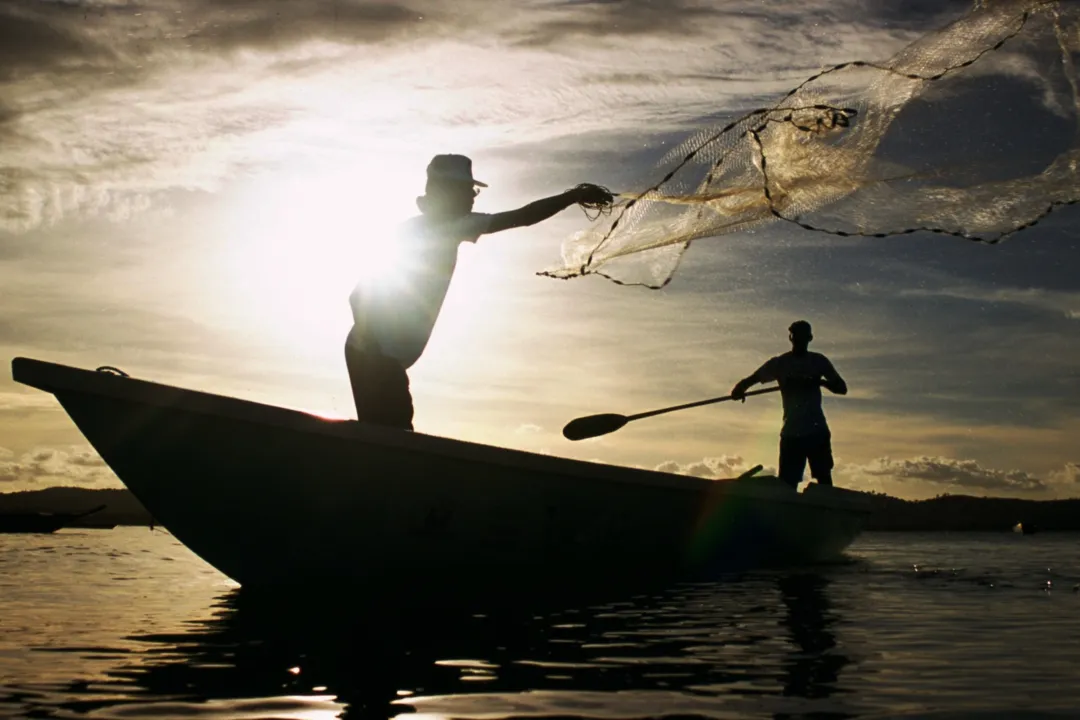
(398, 313)
(799, 377)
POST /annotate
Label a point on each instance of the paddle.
(595, 425)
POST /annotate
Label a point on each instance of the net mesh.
(970, 131)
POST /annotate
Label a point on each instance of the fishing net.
(970, 131)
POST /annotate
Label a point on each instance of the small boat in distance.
(38, 522)
(275, 497)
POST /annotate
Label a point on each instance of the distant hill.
(121, 507)
(956, 513)
(966, 513)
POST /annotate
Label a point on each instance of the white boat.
(276, 497)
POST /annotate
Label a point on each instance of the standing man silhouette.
(393, 320)
(805, 436)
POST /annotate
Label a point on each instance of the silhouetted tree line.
(968, 513)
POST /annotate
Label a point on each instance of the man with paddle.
(805, 435)
(394, 319)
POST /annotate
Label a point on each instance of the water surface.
(129, 624)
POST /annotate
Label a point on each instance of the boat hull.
(275, 497)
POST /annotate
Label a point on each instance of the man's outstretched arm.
(763, 374)
(738, 392)
(545, 208)
(832, 380)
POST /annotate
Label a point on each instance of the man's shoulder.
(793, 360)
(472, 226)
(772, 364)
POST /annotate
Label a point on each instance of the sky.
(186, 188)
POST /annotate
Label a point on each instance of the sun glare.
(297, 246)
(291, 248)
(378, 262)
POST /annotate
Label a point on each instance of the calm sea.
(129, 624)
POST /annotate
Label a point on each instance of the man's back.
(799, 376)
(400, 310)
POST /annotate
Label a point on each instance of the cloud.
(61, 36)
(950, 472)
(54, 466)
(1062, 303)
(41, 37)
(589, 19)
(722, 466)
(282, 23)
(105, 106)
(917, 14)
(933, 474)
(22, 401)
(1067, 478)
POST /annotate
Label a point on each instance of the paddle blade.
(593, 426)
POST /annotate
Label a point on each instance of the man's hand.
(589, 194)
(739, 391)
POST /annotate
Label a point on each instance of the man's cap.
(800, 326)
(456, 168)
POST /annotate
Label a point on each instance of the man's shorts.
(796, 452)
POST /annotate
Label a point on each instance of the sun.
(297, 244)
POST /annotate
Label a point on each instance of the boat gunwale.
(58, 378)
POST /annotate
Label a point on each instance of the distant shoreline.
(948, 513)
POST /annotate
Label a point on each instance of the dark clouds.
(600, 18)
(61, 38)
(37, 37)
(280, 23)
(912, 14)
(690, 20)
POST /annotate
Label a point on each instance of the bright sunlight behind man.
(297, 244)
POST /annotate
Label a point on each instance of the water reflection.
(115, 628)
(813, 672)
(751, 639)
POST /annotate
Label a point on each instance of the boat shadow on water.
(705, 641)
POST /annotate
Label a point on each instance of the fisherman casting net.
(970, 131)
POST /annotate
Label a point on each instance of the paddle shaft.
(698, 404)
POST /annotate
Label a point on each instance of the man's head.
(451, 188)
(800, 334)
